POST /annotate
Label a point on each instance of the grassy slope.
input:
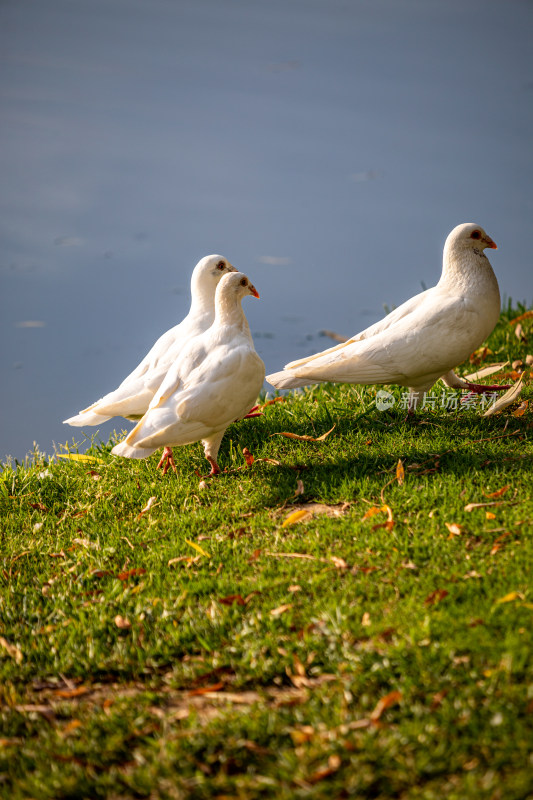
(394, 661)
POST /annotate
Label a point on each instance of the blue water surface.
(326, 147)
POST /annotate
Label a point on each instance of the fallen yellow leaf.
(371, 512)
(198, 548)
(400, 472)
(508, 598)
(296, 516)
(81, 457)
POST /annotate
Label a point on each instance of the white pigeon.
(132, 398)
(424, 338)
(214, 381)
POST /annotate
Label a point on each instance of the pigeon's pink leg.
(167, 459)
(215, 469)
(251, 413)
(480, 388)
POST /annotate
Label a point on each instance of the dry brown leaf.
(276, 612)
(187, 559)
(71, 726)
(86, 543)
(124, 576)
(455, 530)
(337, 337)
(271, 402)
(498, 492)
(303, 734)
(400, 472)
(339, 563)
(521, 410)
(435, 597)
(506, 399)
(304, 512)
(480, 355)
(150, 503)
(68, 693)
(472, 506)
(526, 315)
(12, 650)
(248, 457)
(304, 438)
(299, 488)
(215, 687)
(292, 555)
(39, 507)
(231, 599)
(29, 708)
(519, 333)
(391, 699)
(334, 763)
(122, 622)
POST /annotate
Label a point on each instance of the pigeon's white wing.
(209, 397)
(133, 396)
(407, 308)
(410, 350)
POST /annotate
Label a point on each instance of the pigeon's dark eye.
(475, 235)
(221, 265)
(244, 282)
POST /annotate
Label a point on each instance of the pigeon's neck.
(229, 314)
(202, 299)
(467, 271)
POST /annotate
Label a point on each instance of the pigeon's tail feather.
(86, 418)
(126, 450)
(288, 380)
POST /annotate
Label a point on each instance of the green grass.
(393, 662)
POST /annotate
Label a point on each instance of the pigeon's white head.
(235, 286)
(207, 273)
(469, 236)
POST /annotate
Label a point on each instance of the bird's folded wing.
(395, 316)
(420, 343)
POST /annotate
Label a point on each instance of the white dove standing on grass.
(216, 378)
(424, 338)
(132, 398)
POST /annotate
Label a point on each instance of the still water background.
(326, 147)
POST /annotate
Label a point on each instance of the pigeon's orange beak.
(254, 291)
(491, 244)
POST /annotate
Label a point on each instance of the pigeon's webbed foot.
(167, 460)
